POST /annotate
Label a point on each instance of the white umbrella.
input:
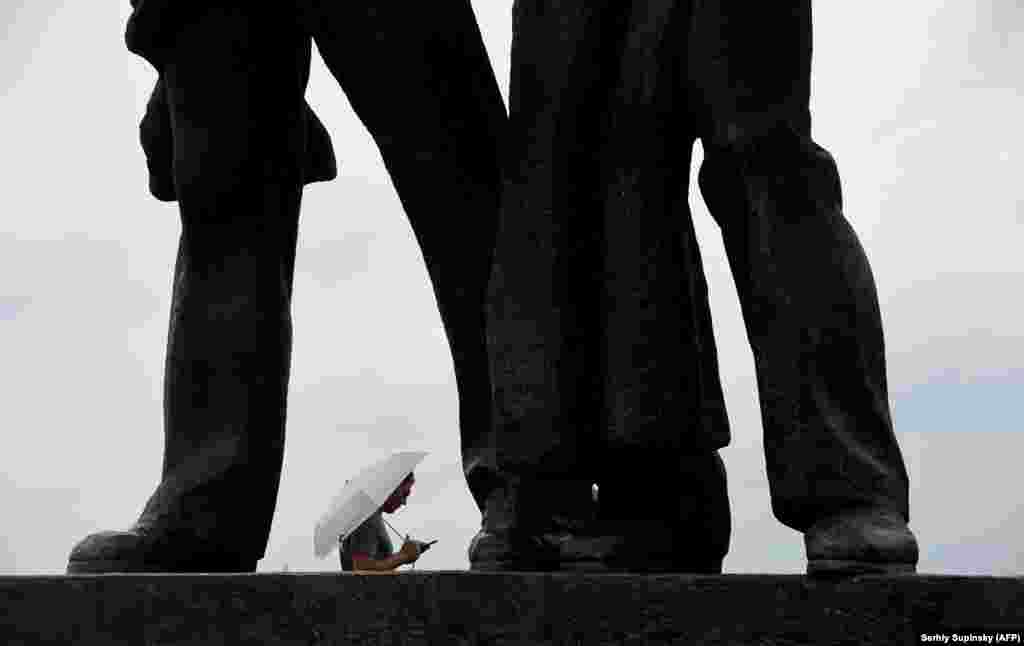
(361, 497)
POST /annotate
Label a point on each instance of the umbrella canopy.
(361, 497)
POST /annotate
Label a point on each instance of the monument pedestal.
(480, 608)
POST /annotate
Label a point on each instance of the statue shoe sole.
(117, 566)
(642, 567)
(139, 566)
(836, 567)
(512, 566)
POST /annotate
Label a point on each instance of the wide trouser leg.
(234, 86)
(597, 313)
(598, 325)
(660, 386)
(805, 286)
(418, 76)
(541, 307)
(662, 483)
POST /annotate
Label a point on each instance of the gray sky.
(919, 102)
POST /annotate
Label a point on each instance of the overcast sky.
(919, 102)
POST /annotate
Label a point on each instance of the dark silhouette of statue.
(603, 358)
(228, 135)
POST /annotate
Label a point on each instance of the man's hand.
(411, 550)
(425, 545)
(410, 553)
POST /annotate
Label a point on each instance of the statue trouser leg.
(235, 88)
(419, 78)
(602, 351)
(805, 286)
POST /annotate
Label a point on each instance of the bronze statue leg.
(234, 86)
(597, 326)
(662, 484)
(599, 331)
(807, 291)
(539, 313)
(418, 76)
(420, 79)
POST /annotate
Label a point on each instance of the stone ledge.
(480, 608)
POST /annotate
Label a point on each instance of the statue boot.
(198, 520)
(226, 381)
(526, 520)
(667, 517)
(861, 541)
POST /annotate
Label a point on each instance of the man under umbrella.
(369, 549)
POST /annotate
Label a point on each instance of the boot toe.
(105, 545)
(111, 551)
(511, 552)
(138, 551)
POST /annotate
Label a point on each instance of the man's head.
(398, 497)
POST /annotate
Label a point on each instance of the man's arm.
(409, 553)
(362, 562)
